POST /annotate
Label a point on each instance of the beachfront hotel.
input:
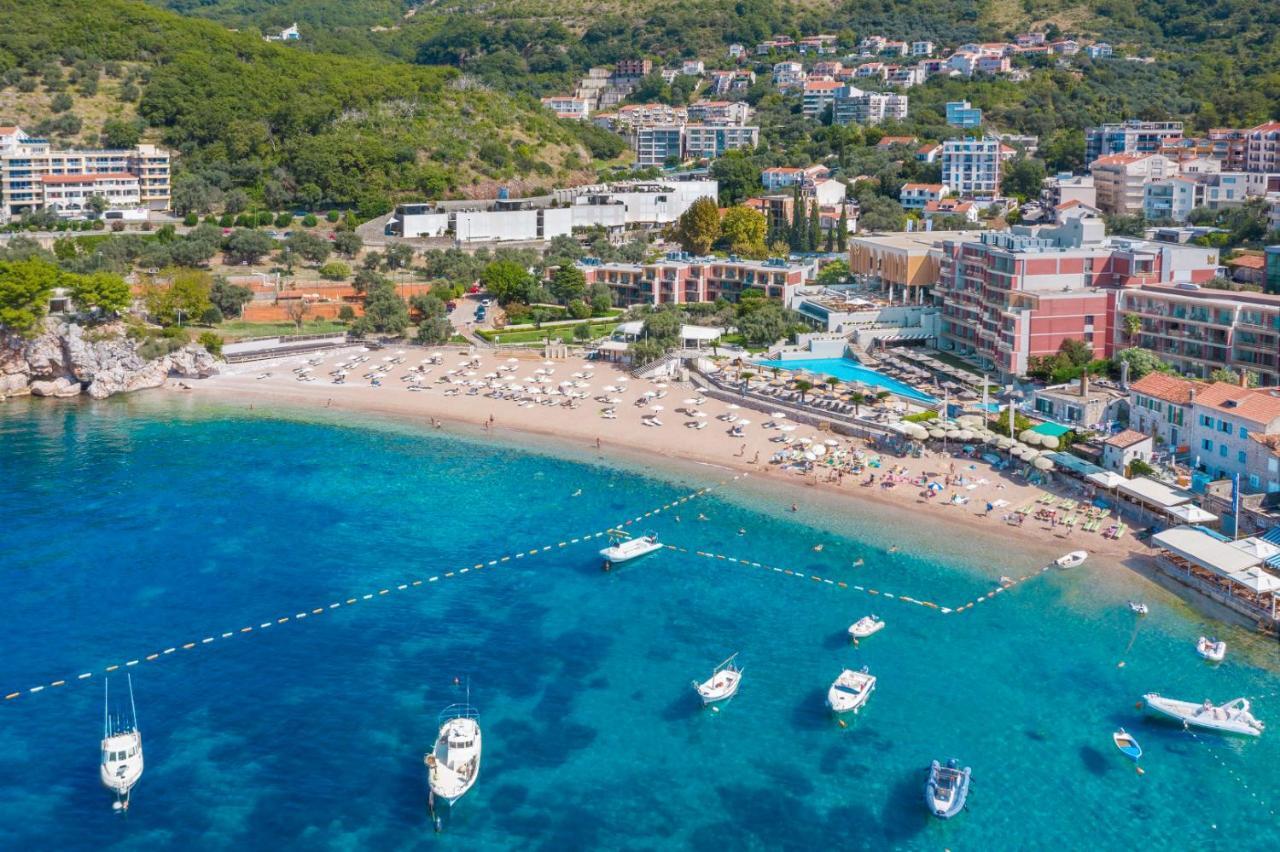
(682, 278)
(34, 174)
(1009, 296)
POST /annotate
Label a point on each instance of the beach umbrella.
(937, 433)
(1049, 442)
(1042, 463)
(657, 408)
(831, 442)
(818, 450)
(810, 457)
(965, 435)
(806, 440)
(1025, 435)
(1034, 439)
(919, 432)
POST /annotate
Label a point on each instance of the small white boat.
(1127, 744)
(1233, 717)
(1139, 608)
(121, 751)
(626, 549)
(865, 626)
(947, 788)
(454, 764)
(1072, 559)
(723, 683)
(851, 690)
(1212, 649)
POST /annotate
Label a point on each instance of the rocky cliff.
(62, 361)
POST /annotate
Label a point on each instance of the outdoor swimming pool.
(851, 371)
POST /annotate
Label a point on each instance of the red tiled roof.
(888, 141)
(1259, 406)
(1126, 439)
(1248, 261)
(1166, 387)
(1119, 159)
(931, 187)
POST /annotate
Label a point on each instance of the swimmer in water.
(795, 508)
(703, 517)
(742, 531)
(857, 563)
(893, 548)
(818, 547)
(577, 493)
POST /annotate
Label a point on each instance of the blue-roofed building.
(961, 114)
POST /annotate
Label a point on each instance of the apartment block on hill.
(33, 174)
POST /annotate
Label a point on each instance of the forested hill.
(1217, 61)
(300, 126)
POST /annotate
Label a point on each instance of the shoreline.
(674, 448)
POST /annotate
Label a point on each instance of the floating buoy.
(715, 709)
(1120, 664)
(1141, 771)
(842, 722)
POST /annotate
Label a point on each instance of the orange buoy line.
(302, 614)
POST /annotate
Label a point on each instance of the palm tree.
(746, 380)
(857, 398)
(1132, 326)
(804, 386)
(832, 382)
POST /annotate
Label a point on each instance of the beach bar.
(1231, 572)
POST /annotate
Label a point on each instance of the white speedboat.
(723, 683)
(121, 751)
(851, 690)
(1072, 559)
(1212, 649)
(626, 549)
(454, 764)
(865, 626)
(1233, 717)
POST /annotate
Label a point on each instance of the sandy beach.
(443, 401)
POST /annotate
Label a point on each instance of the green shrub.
(211, 342)
(191, 220)
(310, 220)
(331, 216)
(335, 271)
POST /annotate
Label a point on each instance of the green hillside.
(287, 125)
(1217, 61)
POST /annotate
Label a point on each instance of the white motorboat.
(947, 788)
(121, 751)
(454, 764)
(625, 549)
(1233, 717)
(1072, 559)
(851, 690)
(1139, 608)
(1212, 649)
(723, 683)
(865, 626)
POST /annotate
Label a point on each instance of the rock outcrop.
(63, 362)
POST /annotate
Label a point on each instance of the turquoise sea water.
(134, 527)
(850, 371)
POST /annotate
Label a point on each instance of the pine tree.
(831, 240)
(814, 240)
(842, 230)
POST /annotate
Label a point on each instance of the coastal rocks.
(63, 361)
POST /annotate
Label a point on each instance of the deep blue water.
(850, 371)
(135, 526)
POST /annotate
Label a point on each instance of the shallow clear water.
(133, 527)
(850, 371)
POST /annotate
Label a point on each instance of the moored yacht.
(121, 750)
(851, 690)
(625, 549)
(723, 683)
(454, 764)
(1234, 717)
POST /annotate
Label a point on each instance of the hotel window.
(1206, 421)
(1206, 445)
(1222, 450)
(1224, 426)
(1244, 433)
(1240, 456)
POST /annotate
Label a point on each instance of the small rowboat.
(1214, 650)
(1127, 744)
(1072, 559)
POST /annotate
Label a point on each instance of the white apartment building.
(922, 48)
(854, 106)
(719, 112)
(971, 167)
(568, 106)
(712, 140)
(787, 74)
(1175, 197)
(69, 195)
(1120, 180)
(820, 94)
(25, 162)
(914, 196)
(1262, 148)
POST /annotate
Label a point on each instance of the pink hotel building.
(1008, 296)
(682, 278)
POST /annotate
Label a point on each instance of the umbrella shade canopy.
(1049, 442)
(936, 433)
(831, 442)
(1042, 463)
(818, 450)
(965, 435)
(658, 408)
